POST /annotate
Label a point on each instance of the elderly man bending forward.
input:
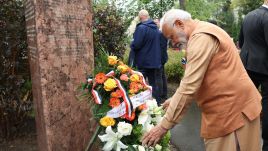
(215, 77)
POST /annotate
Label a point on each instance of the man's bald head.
(143, 15)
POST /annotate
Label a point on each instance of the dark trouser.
(154, 78)
(262, 80)
(163, 88)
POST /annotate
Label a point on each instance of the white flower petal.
(151, 104)
(124, 129)
(141, 148)
(158, 147)
(121, 145)
(157, 119)
(104, 138)
(109, 146)
(147, 127)
(109, 131)
(144, 117)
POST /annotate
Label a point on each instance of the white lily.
(112, 140)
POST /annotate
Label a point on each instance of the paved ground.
(186, 135)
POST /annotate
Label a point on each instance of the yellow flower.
(110, 84)
(107, 121)
(122, 68)
(112, 60)
(134, 78)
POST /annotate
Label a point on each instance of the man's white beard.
(183, 41)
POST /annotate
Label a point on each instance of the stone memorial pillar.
(60, 53)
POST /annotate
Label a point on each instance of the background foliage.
(15, 86)
(108, 29)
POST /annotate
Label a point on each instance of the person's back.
(147, 50)
(146, 45)
(253, 40)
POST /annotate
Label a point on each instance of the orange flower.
(142, 107)
(124, 77)
(117, 94)
(135, 87)
(114, 102)
(131, 91)
(100, 78)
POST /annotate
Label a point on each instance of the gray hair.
(173, 14)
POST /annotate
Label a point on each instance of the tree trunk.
(182, 4)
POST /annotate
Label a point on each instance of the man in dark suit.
(253, 41)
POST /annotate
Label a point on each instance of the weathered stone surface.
(61, 52)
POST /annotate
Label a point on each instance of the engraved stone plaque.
(60, 53)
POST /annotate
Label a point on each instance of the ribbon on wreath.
(96, 96)
(135, 100)
(127, 102)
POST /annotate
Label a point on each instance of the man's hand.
(166, 104)
(154, 136)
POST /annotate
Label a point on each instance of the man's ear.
(179, 23)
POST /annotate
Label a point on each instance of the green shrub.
(108, 30)
(15, 87)
(173, 68)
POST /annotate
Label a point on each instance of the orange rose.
(124, 77)
(114, 102)
(135, 87)
(100, 78)
(117, 94)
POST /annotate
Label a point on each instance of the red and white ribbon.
(125, 98)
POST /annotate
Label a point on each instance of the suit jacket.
(253, 41)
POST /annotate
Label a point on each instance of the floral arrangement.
(124, 107)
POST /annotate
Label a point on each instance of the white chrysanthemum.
(124, 128)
